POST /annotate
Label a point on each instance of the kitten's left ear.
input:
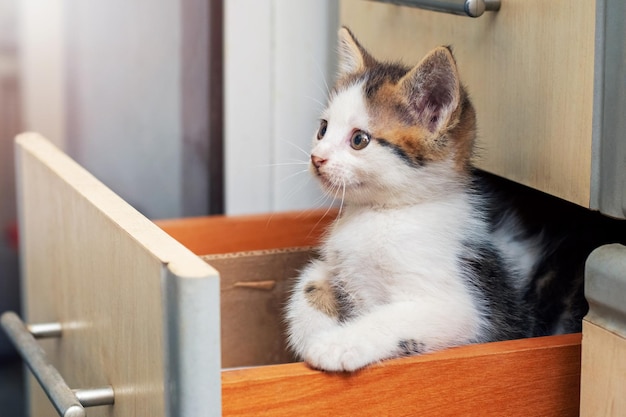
(433, 90)
(352, 56)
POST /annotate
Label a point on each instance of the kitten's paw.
(333, 353)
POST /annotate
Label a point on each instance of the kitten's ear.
(352, 56)
(433, 90)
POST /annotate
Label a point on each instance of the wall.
(123, 93)
(110, 82)
(279, 57)
(122, 87)
(42, 67)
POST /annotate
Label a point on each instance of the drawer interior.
(253, 290)
(258, 256)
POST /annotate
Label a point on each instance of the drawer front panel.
(529, 69)
(96, 266)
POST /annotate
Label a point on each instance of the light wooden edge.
(605, 286)
(603, 380)
(170, 252)
(223, 234)
(192, 318)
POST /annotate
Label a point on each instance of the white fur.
(407, 279)
(395, 248)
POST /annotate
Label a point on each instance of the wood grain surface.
(531, 377)
(603, 375)
(94, 264)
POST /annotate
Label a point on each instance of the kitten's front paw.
(333, 353)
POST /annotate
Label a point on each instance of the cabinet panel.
(121, 288)
(529, 69)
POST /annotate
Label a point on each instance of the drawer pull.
(68, 402)
(44, 330)
(267, 285)
(472, 8)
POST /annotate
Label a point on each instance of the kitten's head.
(393, 134)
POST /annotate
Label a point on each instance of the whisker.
(294, 190)
(308, 154)
(321, 200)
(288, 196)
(323, 77)
(282, 164)
(322, 105)
(320, 219)
(330, 195)
(303, 171)
(343, 197)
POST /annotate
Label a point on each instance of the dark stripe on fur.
(507, 316)
(556, 289)
(381, 74)
(375, 77)
(343, 302)
(411, 347)
(398, 151)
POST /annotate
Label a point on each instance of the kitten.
(422, 257)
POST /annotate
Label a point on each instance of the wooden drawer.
(140, 312)
(529, 69)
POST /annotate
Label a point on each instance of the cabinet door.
(529, 69)
(138, 311)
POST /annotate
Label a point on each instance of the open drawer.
(140, 312)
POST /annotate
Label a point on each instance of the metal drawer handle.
(68, 402)
(472, 8)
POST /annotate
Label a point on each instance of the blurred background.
(183, 108)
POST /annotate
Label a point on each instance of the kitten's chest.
(378, 253)
(366, 243)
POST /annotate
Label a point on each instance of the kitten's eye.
(322, 130)
(359, 140)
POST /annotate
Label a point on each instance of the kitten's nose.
(317, 161)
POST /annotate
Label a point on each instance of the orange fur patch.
(391, 120)
(321, 296)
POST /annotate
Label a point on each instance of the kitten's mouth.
(333, 187)
(326, 183)
(333, 183)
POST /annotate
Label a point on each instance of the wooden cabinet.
(535, 71)
(182, 317)
(140, 312)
